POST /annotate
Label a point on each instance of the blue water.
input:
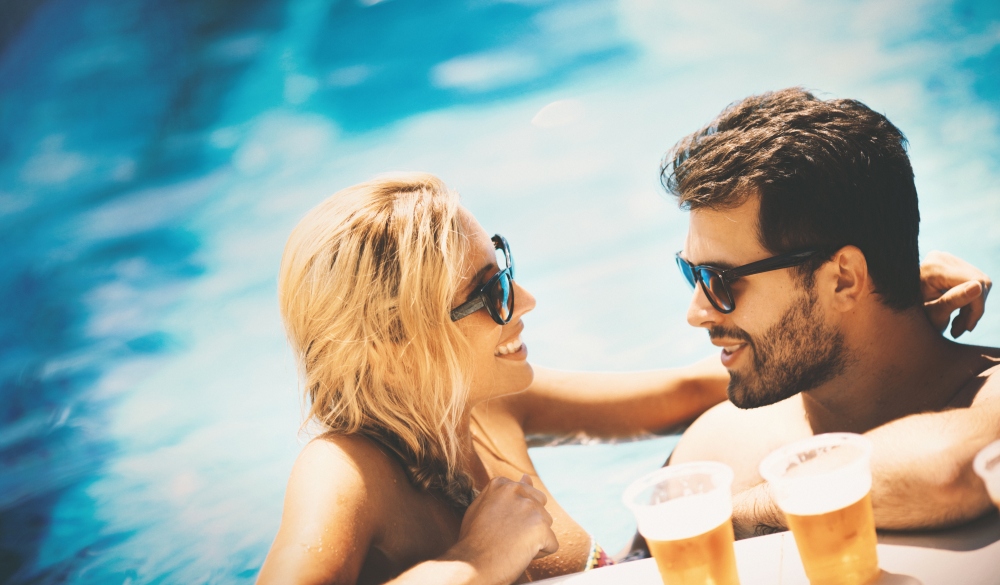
(155, 154)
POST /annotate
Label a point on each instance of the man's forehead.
(724, 237)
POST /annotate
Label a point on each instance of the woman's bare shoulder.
(336, 473)
(335, 500)
(342, 461)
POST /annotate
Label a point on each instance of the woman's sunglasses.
(497, 295)
(715, 282)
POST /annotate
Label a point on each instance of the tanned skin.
(927, 403)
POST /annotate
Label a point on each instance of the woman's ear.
(844, 278)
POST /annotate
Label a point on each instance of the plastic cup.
(987, 466)
(823, 486)
(685, 514)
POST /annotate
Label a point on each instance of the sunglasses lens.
(714, 288)
(504, 258)
(685, 269)
(502, 296)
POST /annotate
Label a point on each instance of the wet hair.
(366, 286)
(828, 173)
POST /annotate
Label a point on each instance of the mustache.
(720, 331)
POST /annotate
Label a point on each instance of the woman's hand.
(949, 283)
(504, 529)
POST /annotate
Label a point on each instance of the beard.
(798, 353)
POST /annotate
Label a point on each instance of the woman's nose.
(523, 300)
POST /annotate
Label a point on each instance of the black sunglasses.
(497, 295)
(715, 281)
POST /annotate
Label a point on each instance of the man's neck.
(897, 365)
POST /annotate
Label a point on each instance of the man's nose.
(700, 312)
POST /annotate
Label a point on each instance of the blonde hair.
(366, 287)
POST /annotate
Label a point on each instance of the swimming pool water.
(155, 154)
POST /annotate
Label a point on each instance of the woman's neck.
(470, 460)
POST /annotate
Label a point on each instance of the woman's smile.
(513, 349)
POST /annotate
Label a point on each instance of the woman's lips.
(513, 349)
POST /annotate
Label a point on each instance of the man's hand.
(949, 283)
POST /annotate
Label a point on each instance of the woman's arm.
(949, 284)
(628, 403)
(621, 403)
(334, 509)
(328, 511)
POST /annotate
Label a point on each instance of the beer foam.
(833, 459)
(811, 495)
(820, 474)
(685, 517)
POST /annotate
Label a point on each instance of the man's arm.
(724, 434)
(922, 466)
(620, 403)
(922, 473)
(755, 513)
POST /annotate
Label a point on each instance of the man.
(828, 334)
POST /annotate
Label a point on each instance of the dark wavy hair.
(829, 173)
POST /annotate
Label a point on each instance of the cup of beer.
(823, 486)
(685, 514)
(987, 466)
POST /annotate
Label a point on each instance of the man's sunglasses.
(497, 295)
(715, 282)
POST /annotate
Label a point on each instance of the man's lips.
(730, 345)
(731, 350)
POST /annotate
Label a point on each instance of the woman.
(401, 311)
(418, 403)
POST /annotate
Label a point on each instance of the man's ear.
(845, 277)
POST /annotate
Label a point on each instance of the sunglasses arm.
(468, 308)
(776, 263)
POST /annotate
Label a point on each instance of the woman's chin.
(516, 378)
(530, 377)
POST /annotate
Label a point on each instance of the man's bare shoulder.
(990, 357)
(735, 436)
(983, 383)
